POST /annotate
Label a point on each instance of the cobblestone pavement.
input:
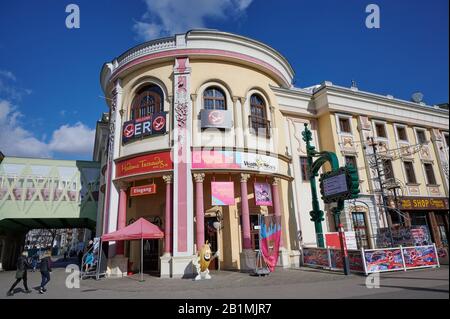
(293, 283)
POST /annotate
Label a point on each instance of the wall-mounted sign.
(340, 184)
(423, 203)
(154, 124)
(234, 160)
(144, 164)
(215, 119)
(222, 193)
(143, 190)
(263, 194)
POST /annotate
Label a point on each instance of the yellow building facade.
(207, 107)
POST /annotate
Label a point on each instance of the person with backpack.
(21, 273)
(45, 268)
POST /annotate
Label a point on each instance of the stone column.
(122, 216)
(245, 213)
(166, 258)
(199, 210)
(168, 216)
(248, 256)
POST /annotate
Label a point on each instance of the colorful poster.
(270, 235)
(420, 236)
(424, 256)
(354, 257)
(315, 257)
(263, 194)
(383, 260)
(222, 193)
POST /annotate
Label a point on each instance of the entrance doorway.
(211, 237)
(359, 226)
(151, 256)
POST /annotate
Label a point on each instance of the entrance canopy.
(141, 229)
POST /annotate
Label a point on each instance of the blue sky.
(49, 75)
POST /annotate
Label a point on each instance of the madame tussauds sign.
(144, 164)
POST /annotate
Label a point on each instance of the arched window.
(214, 99)
(147, 101)
(258, 115)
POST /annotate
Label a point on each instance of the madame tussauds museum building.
(194, 130)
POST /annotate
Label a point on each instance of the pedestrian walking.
(45, 268)
(21, 273)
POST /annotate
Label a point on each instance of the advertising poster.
(383, 260)
(270, 235)
(263, 194)
(222, 193)
(420, 236)
(424, 256)
(315, 257)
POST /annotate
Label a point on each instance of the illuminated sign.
(144, 164)
(154, 124)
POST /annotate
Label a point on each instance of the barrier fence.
(373, 260)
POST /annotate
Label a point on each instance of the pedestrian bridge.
(45, 193)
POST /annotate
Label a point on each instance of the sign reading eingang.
(154, 124)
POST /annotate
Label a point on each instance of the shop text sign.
(420, 203)
(146, 126)
(144, 164)
(143, 190)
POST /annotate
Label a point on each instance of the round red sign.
(158, 123)
(128, 130)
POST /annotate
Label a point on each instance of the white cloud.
(8, 75)
(10, 90)
(77, 139)
(166, 17)
(15, 140)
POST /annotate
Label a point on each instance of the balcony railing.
(259, 126)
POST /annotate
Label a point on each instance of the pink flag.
(270, 234)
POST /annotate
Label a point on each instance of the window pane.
(401, 132)
(344, 123)
(304, 168)
(381, 132)
(446, 137)
(388, 170)
(410, 175)
(430, 174)
(421, 137)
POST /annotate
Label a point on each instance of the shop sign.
(154, 124)
(222, 193)
(215, 119)
(263, 194)
(144, 164)
(423, 203)
(143, 190)
(234, 160)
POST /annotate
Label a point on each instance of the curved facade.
(207, 113)
(187, 112)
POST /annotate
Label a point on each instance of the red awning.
(141, 229)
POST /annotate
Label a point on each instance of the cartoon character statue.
(202, 261)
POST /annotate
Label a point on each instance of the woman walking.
(45, 269)
(21, 273)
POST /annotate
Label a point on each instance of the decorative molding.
(168, 179)
(245, 178)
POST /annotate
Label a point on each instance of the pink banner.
(222, 193)
(263, 194)
(270, 234)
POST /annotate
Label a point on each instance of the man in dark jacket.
(45, 269)
(21, 273)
